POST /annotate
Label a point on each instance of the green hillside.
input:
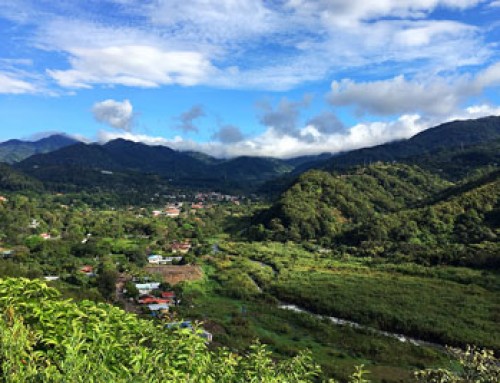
(322, 205)
(451, 135)
(13, 180)
(16, 150)
(190, 170)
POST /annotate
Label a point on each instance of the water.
(343, 322)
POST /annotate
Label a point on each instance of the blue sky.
(246, 77)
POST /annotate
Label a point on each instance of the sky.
(277, 78)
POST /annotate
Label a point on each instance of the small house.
(158, 309)
(146, 288)
(6, 253)
(155, 259)
(50, 278)
(172, 212)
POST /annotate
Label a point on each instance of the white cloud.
(9, 84)
(433, 96)
(222, 42)
(397, 95)
(271, 144)
(132, 65)
(346, 13)
(274, 144)
(118, 114)
(489, 77)
(215, 21)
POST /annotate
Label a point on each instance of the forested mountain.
(319, 204)
(16, 150)
(180, 168)
(13, 180)
(452, 150)
(452, 163)
(451, 135)
(456, 163)
(393, 210)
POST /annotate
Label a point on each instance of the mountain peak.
(12, 151)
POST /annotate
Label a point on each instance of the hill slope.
(16, 150)
(319, 204)
(185, 169)
(455, 134)
(12, 180)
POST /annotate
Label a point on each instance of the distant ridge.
(13, 151)
(179, 168)
(454, 140)
(454, 134)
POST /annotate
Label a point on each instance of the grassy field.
(243, 284)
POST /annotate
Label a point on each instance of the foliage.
(476, 365)
(321, 205)
(44, 339)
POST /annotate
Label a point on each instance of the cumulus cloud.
(186, 119)
(10, 84)
(283, 118)
(228, 134)
(117, 114)
(274, 144)
(434, 96)
(396, 95)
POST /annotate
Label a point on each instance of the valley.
(381, 265)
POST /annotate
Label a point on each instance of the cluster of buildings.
(199, 201)
(216, 197)
(158, 306)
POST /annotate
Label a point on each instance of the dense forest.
(398, 209)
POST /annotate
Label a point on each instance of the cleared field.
(175, 274)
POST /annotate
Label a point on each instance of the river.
(342, 322)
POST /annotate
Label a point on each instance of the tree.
(477, 366)
(106, 282)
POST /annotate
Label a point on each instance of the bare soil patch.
(174, 274)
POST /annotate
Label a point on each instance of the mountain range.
(451, 150)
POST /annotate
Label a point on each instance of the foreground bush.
(45, 339)
(476, 366)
